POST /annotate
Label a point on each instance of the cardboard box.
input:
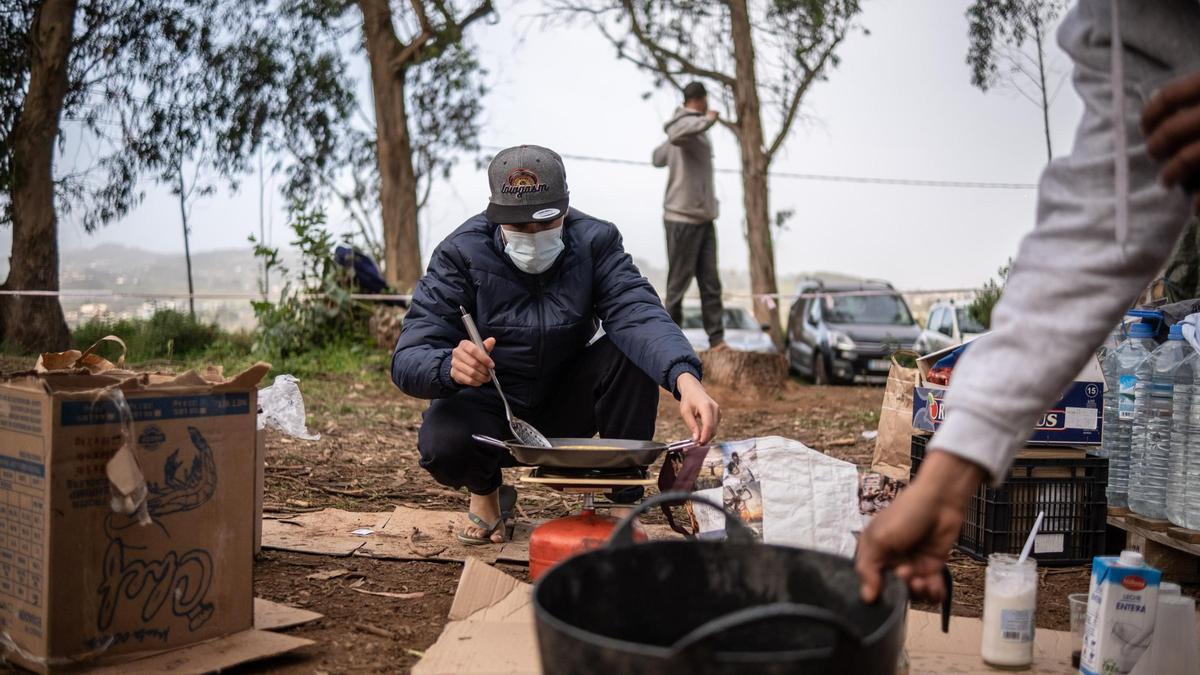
(1074, 420)
(81, 583)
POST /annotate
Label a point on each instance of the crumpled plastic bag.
(280, 406)
(126, 479)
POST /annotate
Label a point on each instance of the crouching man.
(538, 277)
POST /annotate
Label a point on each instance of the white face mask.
(534, 253)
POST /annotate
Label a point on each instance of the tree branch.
(661, 54)
(810, 76)
(423, 18)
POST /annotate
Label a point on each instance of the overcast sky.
(899, 106)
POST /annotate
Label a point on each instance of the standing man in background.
(690, 209)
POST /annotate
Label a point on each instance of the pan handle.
(776, 610)
(735, 530)
(685, 444)
(488, 440)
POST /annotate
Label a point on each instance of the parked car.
(847, 332)
(742, 331)
(948, 325)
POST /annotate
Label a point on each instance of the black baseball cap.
(529, 185)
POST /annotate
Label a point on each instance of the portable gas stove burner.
(552, 473)
(561, 538)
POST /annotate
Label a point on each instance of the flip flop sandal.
(508, 499)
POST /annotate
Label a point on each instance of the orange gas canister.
(559, 539)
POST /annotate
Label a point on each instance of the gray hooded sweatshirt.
(691, 197)
(1105, 227)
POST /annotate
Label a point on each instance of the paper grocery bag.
(893, 445)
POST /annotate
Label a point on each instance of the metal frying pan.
(586, 453)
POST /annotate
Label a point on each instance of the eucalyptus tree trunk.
(36, 323)
(398, 179)
(755, 162)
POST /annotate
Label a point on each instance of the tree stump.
(384, 326)
(747, 372)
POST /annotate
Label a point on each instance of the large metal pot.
(700, 607)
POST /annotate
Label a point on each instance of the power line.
(109, 294)
(829, 178)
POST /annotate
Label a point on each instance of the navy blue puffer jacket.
(541, 322)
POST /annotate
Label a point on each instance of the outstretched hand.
(700, 413)
(914, 535)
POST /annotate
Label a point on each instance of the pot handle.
(488, 440)
(777, 610)
(949, 600)
(735, 530)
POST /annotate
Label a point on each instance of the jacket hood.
(680, 113)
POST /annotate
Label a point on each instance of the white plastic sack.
(280, 406)
(808, 499)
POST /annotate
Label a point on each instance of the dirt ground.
(366, 460)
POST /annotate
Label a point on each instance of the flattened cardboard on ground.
(328, 532)
(210, 657)
(492, 632)
(78, 581)
(932, 652)
(491, 629)
(276, 616)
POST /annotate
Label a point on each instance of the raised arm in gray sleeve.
(687, 126)
(1072, 279)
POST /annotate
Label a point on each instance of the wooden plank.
(1176, 565)
(1160, 536)
(1185, 535)
(1154, 524)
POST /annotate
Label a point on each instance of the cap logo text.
(523, 182)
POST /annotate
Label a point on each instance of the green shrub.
(985, 301)
(167, 334)
(314, 310)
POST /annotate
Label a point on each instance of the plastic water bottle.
(1151, 448)
(1192, 463)
(1120, 380)
(1182, 401)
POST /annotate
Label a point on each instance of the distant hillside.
(123, 269)
(115, 268)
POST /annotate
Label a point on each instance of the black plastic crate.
(1070, 491)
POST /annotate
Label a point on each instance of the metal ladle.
(524, 431)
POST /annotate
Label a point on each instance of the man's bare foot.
(486, 507)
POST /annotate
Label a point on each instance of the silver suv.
(949, 324)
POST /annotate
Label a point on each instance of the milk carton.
(1122, 606)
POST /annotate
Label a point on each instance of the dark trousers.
(603, 392)
(692, 252)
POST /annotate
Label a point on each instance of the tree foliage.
(1007, 46)
(444, 97)
(153, 81)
